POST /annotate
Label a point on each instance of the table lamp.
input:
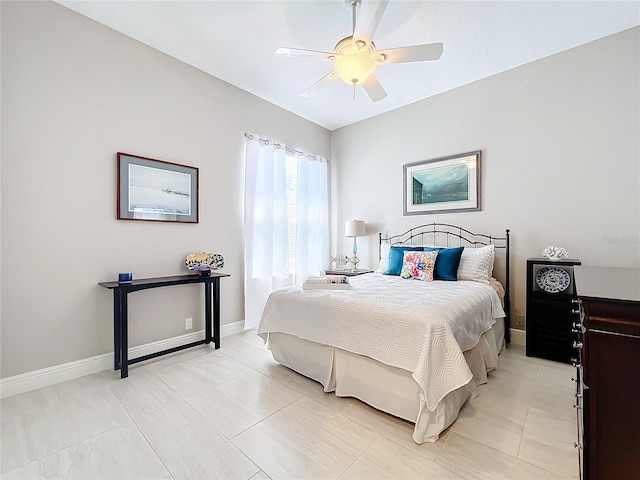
(355, 229)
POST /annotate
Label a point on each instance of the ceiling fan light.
(355, 68)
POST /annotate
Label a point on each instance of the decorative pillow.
(384, 258)
(396, 257)
(447, 262)
(419, 265)
(476, 264)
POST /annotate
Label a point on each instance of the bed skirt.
(389, 389)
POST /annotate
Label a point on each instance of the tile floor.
(235, 413)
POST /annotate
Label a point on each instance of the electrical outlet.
(188, 323)
(519, 321)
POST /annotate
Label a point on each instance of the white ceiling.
(235, 41)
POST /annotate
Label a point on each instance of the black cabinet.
(550, 290)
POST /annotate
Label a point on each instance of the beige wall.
(74, 93)
(561, 165)
(560, 139)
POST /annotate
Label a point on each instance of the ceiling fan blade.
(414, 53)
(310, 54)
(369, 18)
(319, 85)
(374, 88)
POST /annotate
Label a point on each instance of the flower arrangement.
(554, 253)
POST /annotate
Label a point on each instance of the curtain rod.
(287, 149)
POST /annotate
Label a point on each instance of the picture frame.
(156, 190)
(443, 185)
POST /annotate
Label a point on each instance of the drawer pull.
(575, 311)
(575, 300)
(577, 345)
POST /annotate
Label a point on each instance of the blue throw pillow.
(446, 263)
(396, 256)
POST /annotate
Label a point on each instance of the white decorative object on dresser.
(555, 253)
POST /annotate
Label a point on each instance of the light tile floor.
(234, 413)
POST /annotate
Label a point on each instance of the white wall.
(560, 139)
(74, 93)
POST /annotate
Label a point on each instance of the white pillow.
(476, 264)
(384, 257)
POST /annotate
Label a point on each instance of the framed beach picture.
(154, 190)
(442, 185)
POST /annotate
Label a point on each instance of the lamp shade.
(355, 68)
(354, 228)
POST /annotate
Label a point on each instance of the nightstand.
(347, 273)
(550, 295)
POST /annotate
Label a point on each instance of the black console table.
(120, 314)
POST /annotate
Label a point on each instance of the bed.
(414, 349)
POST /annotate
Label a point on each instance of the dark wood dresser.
(607, 333)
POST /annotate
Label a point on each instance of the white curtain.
(265, 227)
(312, 217)
(266, 254)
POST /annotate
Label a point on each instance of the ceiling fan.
(356, 57)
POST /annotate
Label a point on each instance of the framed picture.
(153, 190)
(442, 185)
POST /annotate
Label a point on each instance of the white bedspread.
(422, 327)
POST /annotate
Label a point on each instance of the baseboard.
(518, 337)
(45, 377)
(231, 328)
